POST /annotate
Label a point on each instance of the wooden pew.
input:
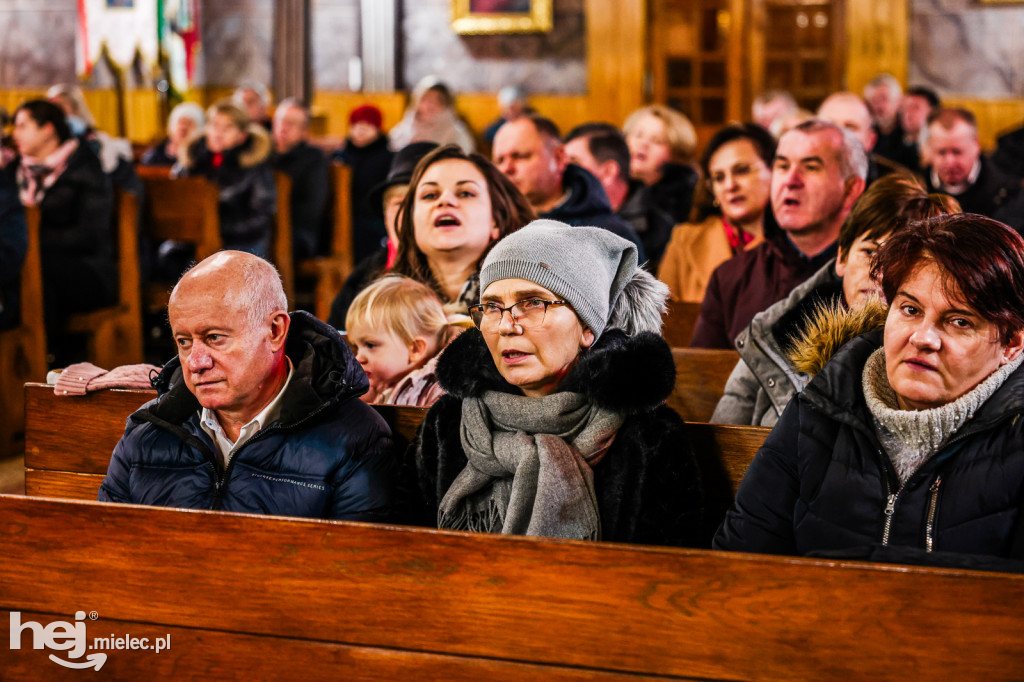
(71, 462)
(327, 274)
(23, 348)
(679, 322)
(281, 242)
(244, 596)
(701, 375)
(183, 209)
(114, 334)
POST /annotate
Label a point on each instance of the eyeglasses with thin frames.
(527, 313)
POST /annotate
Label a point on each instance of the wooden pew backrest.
(23, 348)
(281, 244)
(701, 375)
(114, 334)
(71, 462)
(679, 322)
(256, 597)
(327, 274)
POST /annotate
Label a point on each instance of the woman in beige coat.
(729, 213)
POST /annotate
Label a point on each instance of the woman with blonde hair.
(431, 117)
(661, 145)
(232, 152)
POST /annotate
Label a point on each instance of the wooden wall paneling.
(336, 106)
(877, 41)
(737, 105)
(144, 116)
(104, 107)
(616, 40)
(995, 116)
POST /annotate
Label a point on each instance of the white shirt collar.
(972, 178)
(225, 447)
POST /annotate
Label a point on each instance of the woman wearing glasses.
(458, 205)
(554, 422)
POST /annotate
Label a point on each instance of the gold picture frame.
(512, 16)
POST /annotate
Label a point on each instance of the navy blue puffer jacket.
(328, 455)
(822, 483)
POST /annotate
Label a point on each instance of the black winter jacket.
(648, 484)
(13, 245)
(822, 482)
(75, 219)
(674, 192)
(588, 204)
(248, 195)
(328, 455)
(311, 179)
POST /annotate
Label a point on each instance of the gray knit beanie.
(587, 266)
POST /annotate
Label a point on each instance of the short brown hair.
(947, 117)
(981, 260)
(889, 203)
(509, 208)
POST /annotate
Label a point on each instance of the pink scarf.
(35, 176)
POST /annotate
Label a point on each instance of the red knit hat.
(367, 113)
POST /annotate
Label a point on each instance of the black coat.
(994, 195)
(821, 482)
(75, 221)
(248, 195)
(651, 223)
(648, 484)
(13, 245)
(328, 455)
(673, 193)
(369, 166)
(588, 204)
(307, 167)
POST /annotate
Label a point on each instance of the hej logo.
(59, 635)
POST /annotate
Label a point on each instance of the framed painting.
(470, 17)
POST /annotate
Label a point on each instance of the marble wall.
(552, 62)
(334, 40)
(37, 40)
(966, 48)
(237, 42)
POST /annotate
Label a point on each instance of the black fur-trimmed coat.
(648, 484)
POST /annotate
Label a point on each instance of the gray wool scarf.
(911, 437)
(529, 470)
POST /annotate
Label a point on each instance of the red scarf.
(738, 239)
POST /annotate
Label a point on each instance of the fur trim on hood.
(254, 150)
(626, 374)
(831, 326)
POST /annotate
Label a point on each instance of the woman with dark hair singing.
(909, 437)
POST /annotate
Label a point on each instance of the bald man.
(259, 412)
(850, 111)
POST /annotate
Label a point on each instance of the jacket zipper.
(933, 501)
(890, 507)
(223, 480)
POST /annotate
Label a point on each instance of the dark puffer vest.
(823, 483)
(648, 484)
(328, 455)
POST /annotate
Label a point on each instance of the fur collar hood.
(253, 151)
(626, 374)
(831, 326)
